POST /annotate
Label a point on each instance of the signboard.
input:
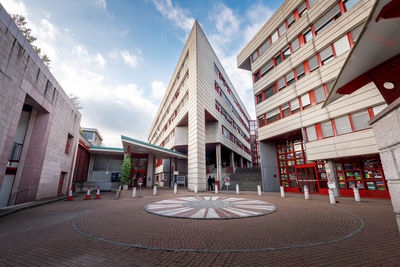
(176, 173)
(180, 180)
(331, 185)
(227, 180)
(140, 181)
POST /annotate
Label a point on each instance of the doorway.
(306, 175)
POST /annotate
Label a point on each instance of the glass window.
(311, 133)
(267, 68)
(360, 120)
(302, 8)
(285, 110)
(313, 63)
(278, 59)
(343, 125)
(305, 100)
(269, 92)
(326, 55)
(281, 83)
(273, 115)
(300, 71)
(286, 52)
(355, 33)
(282, 29)
(259, 98)
(295, 44)
(319, 94)
(295, 105)
(257, 76)
(350, 3)
(290, 19)
(327, 19)
(264, 47)
(327, 129)
(261, 121)
(255, 56)
(290, 78)
(274, 37)
(378, 109)
(342, 45)
(307, 36)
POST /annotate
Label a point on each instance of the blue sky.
(118, 56)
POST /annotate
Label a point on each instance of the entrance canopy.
(131, 145)
(375, 56)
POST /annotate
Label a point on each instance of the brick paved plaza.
(111, 232)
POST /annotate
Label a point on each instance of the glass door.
(306, 176)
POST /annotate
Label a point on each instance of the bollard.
(282, 192)
(155, 190)
(237, 189)
(332, 196)
(306, 193)
(356, 194)
(259, 189)
(134, 192)
(175, 188)
(195, 188)
(216, 189)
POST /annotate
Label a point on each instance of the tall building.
(294, 60)
(39, 125)
(201, 115)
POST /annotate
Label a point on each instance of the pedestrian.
(209, 181)
(213, 181)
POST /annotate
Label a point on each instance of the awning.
(140, 147)
(106, 150)
(375, 56)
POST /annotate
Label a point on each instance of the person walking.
(209, 181)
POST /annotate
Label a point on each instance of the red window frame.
(69, 143)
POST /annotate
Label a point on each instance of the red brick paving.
(44, 235)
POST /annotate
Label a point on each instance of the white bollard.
(134, 192)
(175, 188)
(155, 190)
(356, 194)
(259, 189)
(195, 189)
(237, 189)
(282, 192)
(332, 196)
(306, 193)
(216, 189)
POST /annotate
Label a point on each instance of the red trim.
(333, 51)
(296, 15)
(307, 5)
(312, 98)
(290, 47)
(301, 40)
(350, 39)
(351, 123)
(355, 84)
(326, 90)
(334, 127)
(306, 68)
(342, 7)
(318, 129)
(313, 31)
(319, 60)
(371, 113)
(287, 26)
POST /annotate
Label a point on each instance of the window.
(305, 100)
(264, 47)
(274, 37)
(282, 29)
(48, 85)
(350, 3)
(261, 121)
(300, 72)
(360, 120)
(286, 52)
(319, 94)
(61, 183)
(313, 63)
(255, 55)
(326, 128)
(278, 59)
(257, 76)
(295, 105)
(326, 55)
(378, 109)
(267, 68)
(355, 33)
(311, 133)
(290, 78)
(273, 115)
(259, 98)
(281, 83)
(269, 92)
(342, 45)
(329, 85)
(290, 20)
(343, 125)
(311, 2)
(285, 110)
(327, 19)
(295, 44)
(307, 36)
(69, 143)
(302, 9)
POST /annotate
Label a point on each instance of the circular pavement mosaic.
(210, 207)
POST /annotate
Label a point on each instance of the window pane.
(282, 29)
(261, 120)
(264, 47)
(326, 54)
(313, 63)
(286, 52)
(327, 130)
(269, 92)
(305, 100)
(329, 85)
(272, 113)
(300, 71)
(267, 68)
(311, 133)
(285, 110)
(278, 59)
(378, 109)
(295, 44)
(327, 18)
(290, 19)
(311, 3)
(281, 83)
(290, 78)
(319, 94)
(302, 8)
(295, 105)
(255, 56)
(360, 120)
(343, 125)
(342, 45)
(350, 3)
(274, 37)
(308, 36)
(356, 32)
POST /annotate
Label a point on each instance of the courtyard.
(122, 233)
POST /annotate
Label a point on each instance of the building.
(93, 136)
(295, 58)
(201, 116)
(255, 157)
(39, 124)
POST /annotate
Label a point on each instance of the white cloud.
(83, 55)
(100, 60)
(257, 15)
(130, 58)
(157, 89)
(175, 14)
(15, 7)
(101, 3)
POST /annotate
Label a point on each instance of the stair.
(247, 178)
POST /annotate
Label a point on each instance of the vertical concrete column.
(150, 170)
(233, 159)
(241, 162)
(331, 176)
(219, 165)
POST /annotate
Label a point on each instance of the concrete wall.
(269, 167)
(23, 80)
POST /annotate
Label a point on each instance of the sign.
(176, 173)
(180, 180)
(331, 185)
(227, 181)
(140, 181)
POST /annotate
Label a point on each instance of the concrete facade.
(294, 60)
(42, 161)
(192, 101)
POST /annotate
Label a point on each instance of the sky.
(118, 56)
